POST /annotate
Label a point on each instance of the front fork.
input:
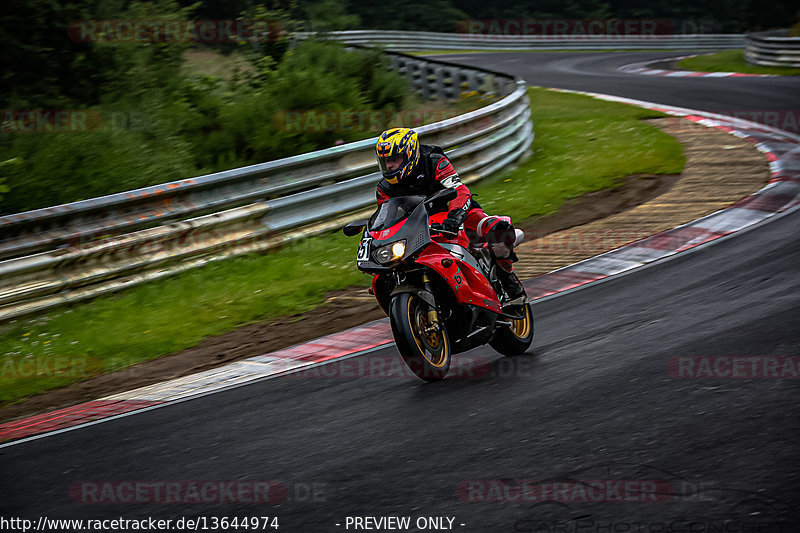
(433, 316)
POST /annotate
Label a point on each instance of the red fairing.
(463, 196)
(444, 170)
(469, 285)
(381, 196)
(374, 284)
(376, 291)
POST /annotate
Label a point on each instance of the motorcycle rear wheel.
(517, 338)
(424, 346)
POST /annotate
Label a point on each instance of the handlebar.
(438, 228)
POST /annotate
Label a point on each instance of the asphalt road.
(755, 99)
(595, 399)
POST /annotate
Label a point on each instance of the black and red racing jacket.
(432, 173)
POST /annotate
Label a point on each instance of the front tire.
(517, 338)
(425, 349)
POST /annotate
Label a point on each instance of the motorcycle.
(441, 293)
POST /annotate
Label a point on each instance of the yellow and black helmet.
(397, 150)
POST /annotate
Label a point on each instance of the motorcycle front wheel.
(424, 345)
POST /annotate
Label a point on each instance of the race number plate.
(363, 250)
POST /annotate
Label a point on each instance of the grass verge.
(732, 61)
(581, 145)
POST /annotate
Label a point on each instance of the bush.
(65, 167)
(158, 131)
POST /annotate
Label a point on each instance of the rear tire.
(425, 351)
(517, 338)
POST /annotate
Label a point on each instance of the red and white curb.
(645, 69)
(781, 148)
(782, 193)
(347, 343)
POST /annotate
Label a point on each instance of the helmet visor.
(392, 165)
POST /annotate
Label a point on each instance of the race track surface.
(599, 398)
(746, 98)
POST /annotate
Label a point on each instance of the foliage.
(154, 132)
(794, 31)
(330, 15)
(40, 64)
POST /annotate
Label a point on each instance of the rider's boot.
(510, 281)
(502, 238)
(500, 234)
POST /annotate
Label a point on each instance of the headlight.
(390, 252)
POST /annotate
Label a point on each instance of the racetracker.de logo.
(18, 368)
(572, 491)
(369, 120)
(180, 31)
(736, 367)
(177, 492)
(565, 28)
(50, 120)
(782, 119)
(393, 367)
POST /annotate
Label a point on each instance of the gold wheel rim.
(427, 342)
(522, 328)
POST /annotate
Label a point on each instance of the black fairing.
(415, 231)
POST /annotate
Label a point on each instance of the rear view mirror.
(354, 228)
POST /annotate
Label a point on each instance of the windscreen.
(393, 211)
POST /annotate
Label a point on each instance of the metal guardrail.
(81, 250)
(773, 49)
(410, 41)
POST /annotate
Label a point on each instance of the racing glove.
(451, 224)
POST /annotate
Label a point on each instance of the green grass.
(732, 61)
(581, 145)
(212, 63)
(158, 318)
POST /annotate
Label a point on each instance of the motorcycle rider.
(410, 168)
